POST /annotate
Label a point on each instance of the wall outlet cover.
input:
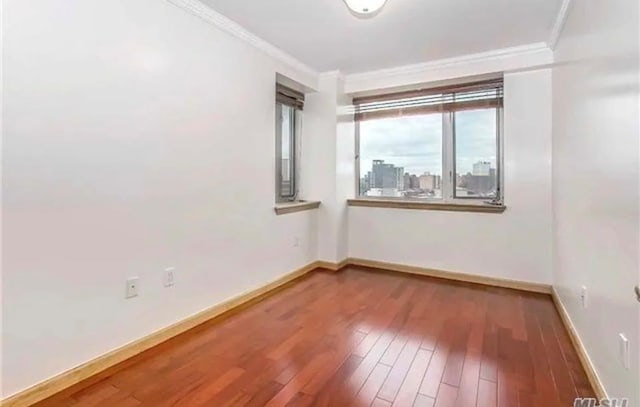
(132, 287)
(584, 296)
(169, 276)
(625, 357)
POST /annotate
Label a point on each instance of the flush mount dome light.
(365, 8)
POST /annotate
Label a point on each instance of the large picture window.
(437, 144)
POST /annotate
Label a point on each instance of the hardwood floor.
(358, 338)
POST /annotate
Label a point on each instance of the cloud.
(415, 142)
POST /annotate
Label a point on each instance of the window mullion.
(278, 152)
(293, 154)
(500, 155)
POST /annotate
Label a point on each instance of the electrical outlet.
(625, 357)
(169, 276)
(132, 287)
(584, 297)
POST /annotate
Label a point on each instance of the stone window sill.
(297, 206)
(430, 206)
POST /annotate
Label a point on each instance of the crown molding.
(558, 25)
(500, 60)
(333, 73)
(229, 26)
(447, 62)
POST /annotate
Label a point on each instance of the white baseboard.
(583, 355)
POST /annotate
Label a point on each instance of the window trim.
(448, 163)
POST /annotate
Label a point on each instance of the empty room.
(414, 203)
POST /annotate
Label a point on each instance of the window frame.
(499, 160)
(448, 164)
(294, 130)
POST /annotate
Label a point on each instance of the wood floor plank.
(470, 376)
(424, 401)
(399, 371)
(371, 386)
(380, 403)
(100, 392)
(433, 376)
(453, 368)
(358, 338)
(301, 400)
(507, 379)
(487, 394)
(352, 385)
(208, 390)
(578, 375)
(338, 353)
(489, 364)
(265, 394)
(394, 349)
(542, 377)
(447, 396)
(329, 393)
(411, 385)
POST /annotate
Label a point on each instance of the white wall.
(596, 184)
(345, 169)
(515, 244)
(320, 163)
(328, 166)
(136, 137)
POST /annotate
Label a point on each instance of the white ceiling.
(326, 36)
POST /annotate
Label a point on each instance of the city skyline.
(387, 179)
(415, 142)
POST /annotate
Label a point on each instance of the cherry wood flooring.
(358, 338)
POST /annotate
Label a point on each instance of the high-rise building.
(414, 182)
(386, 175)
(364, 183)
(400, 178)
(482, 168)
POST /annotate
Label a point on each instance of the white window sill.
(427, 205)
(297, 206)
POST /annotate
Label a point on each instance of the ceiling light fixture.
(365, 8)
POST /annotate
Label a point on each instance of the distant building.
(482, 185)
(407, 181)
(430, 182)
(411, 181)
(364, 183)
(415, 182)
(482, 182)
(386, 176)
(482, 168)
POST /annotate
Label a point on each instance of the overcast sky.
(415, 142)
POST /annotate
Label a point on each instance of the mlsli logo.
(603, 403)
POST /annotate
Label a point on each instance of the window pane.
(287, 152)
(401, 157)
(476, 151)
